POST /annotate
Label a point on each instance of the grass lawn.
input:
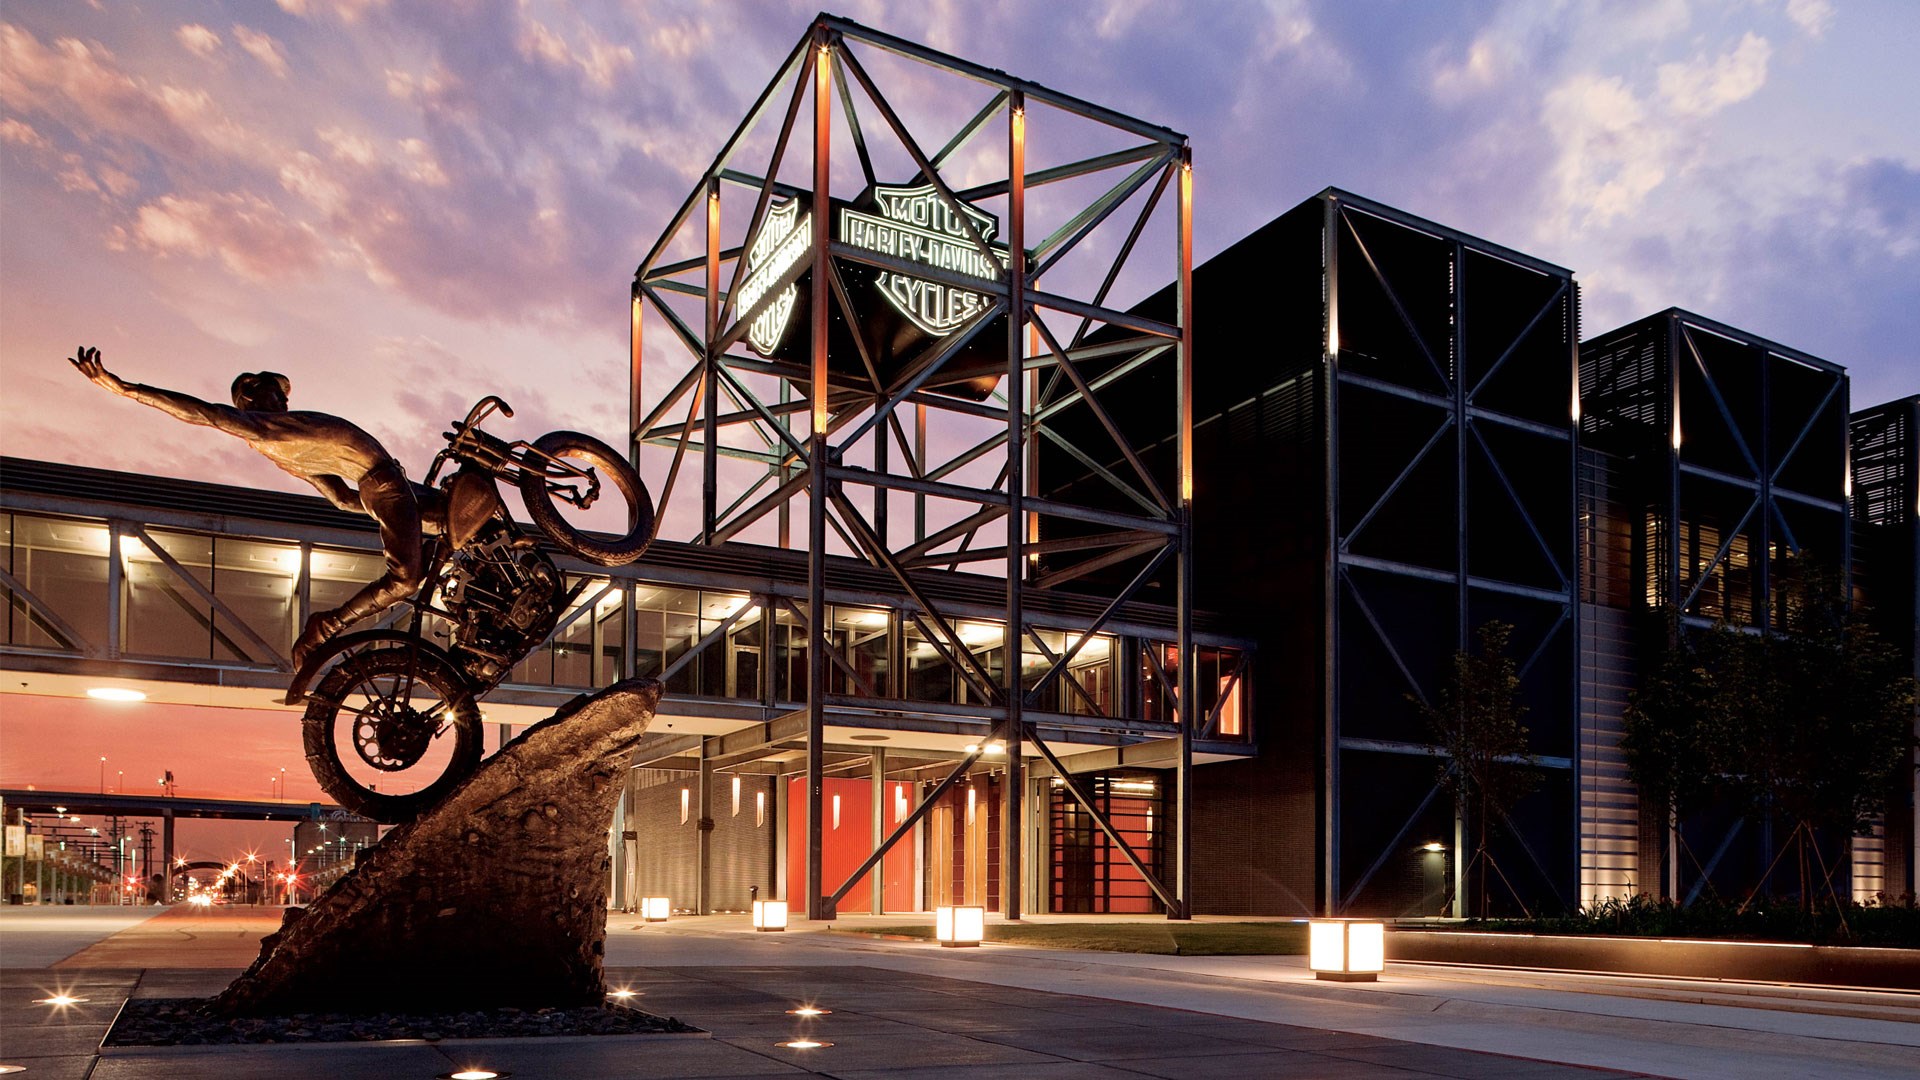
(1163, 938)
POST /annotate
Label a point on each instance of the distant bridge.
(168, 808)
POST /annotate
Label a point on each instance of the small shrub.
(1886, 921)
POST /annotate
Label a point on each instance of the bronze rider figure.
(341, 461)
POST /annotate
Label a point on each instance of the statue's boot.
(321, 626)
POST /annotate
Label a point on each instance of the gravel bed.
(182, 1022)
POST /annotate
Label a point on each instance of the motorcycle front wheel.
(613, 471)
(391, 731)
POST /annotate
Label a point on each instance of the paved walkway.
(911, 1009)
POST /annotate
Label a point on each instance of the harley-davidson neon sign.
(913, 224)
(918, 225)
(783, 241)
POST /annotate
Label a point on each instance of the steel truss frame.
(1456, 393)
(1660, 377)
(1041, 376)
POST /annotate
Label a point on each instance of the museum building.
(1050, 605)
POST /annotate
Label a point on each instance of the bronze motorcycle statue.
(393, 721)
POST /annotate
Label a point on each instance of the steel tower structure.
(836, 420)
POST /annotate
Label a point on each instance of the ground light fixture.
(959, 926)
(804, 1044)
(809, 1011)
(8, 1070)
(623, 994)
(769, 915)
(655, 908)
(473, 1074)
(1346, 950)
(116, 693)
(59, 1001)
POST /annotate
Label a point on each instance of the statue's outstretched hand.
(88, 362)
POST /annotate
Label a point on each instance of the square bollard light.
(1346, 950)
(655, 908)
(769, 915)
(959, 926)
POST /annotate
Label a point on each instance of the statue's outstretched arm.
(177, 405)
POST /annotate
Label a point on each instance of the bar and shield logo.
(918, 225)
(783, 240)
(911, 224)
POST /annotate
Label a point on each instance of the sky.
(405, 206)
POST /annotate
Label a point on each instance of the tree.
(1676, 724)
(1841, 719)
(1476, 722)
(1810, 722)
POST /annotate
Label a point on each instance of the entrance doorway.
(963, 845)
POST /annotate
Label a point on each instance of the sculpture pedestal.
(496, 897)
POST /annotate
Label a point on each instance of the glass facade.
(64, 563)
(708, 643)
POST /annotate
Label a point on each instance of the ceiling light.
(116, 693)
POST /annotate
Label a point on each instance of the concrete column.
(879, 876)
(703, 852)
(166, 854)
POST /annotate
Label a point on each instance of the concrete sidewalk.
(909, 1008)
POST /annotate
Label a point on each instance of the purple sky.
(405, 206)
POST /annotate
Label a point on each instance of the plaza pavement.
(913, 1010)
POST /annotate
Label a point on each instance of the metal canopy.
(830, 424)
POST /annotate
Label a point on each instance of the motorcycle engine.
(504, 594)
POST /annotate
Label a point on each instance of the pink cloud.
(247, 234)
(198, 40)
(262, 48)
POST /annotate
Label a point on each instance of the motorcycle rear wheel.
(614, 471)
(372, 688)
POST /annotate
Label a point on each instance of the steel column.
(1457, 255)
(1330, 626)
(817, 634)
(634, 408)
(1012, 791)
(710, 440)
(1189, 668)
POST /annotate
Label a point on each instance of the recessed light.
(116, 693)
(804, 1044)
